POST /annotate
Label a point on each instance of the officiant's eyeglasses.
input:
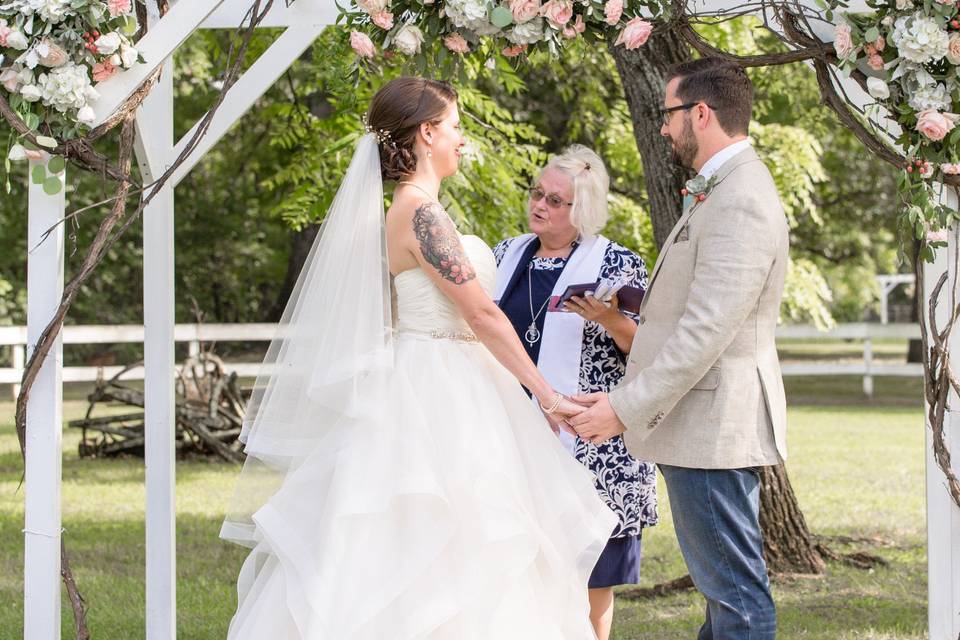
(553, 200)
(666, 111)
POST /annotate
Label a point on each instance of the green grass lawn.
(856, 465)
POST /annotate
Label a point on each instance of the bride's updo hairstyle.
(396, 113)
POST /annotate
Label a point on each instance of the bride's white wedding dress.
(445, 510)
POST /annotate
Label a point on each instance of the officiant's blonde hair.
(591, 183)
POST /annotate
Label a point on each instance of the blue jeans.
(715, 514)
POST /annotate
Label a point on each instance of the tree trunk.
(300, 243)
(788, 545)
(642, 73)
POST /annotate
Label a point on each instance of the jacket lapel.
(744, 157)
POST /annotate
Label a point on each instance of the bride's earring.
(429, 152)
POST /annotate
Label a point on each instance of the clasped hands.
(589, 416)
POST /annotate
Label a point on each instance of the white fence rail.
(195, 334)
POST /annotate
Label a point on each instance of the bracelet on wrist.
(556, 404)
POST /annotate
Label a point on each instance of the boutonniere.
(699, 187)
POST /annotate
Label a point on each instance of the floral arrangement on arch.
(910, 52)
(52, 54)
(515, 25)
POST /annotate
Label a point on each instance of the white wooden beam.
(161, 41)
(943, 515)
(247, 90)
(231, 14)
(158, 356)
(41, 593)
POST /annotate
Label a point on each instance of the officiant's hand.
(599, 422)
(594, 309)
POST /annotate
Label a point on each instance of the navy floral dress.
(627, 485)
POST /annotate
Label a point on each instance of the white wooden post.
(41, 588)
(18, 360)
(943, 516)
(868, 367)
(155, 135)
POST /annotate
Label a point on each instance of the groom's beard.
(685, 148)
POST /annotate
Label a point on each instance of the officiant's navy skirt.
(618, 564)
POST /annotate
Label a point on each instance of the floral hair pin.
(383, 136)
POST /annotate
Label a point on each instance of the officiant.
(581, 345)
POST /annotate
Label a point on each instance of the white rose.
(108, 43)
(17, 153)
(128, 56)
(527, 33)
(903, 5)
(930, 97)
(31, 93)
(408, 40)
(25, 76)
(17, 40)
(86, 115)
(878, 88)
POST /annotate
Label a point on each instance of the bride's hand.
(568, 408)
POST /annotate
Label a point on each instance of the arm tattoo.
(440, 243)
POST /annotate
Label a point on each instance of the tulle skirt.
(447, 511)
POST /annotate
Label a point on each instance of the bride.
(399, 484)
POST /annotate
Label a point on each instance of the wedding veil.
(334, 335)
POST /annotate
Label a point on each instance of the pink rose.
(953, 48)
(572, 31)
(118, 7)
(935, 125)
(635, 34)
(842, 41)
(514, 50)
(10, 80)
(456, 43)
(383, 19)
(940, 235)
(5, 32)
(362, 45)
(557, 12)
(37, 155)
(875, 60)
(55, 56)
(373, 7)
(103, 71)
(613, 11)
(524, 10)
(950, 169)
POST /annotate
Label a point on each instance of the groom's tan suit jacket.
(703, 387)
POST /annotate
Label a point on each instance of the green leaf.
(872, 34)
(47, 142)
(38, 174)
(52, 186)
(501, 17)
(57, 164)
(130, 25)
(32, 120)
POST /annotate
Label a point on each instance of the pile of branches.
(209, 414)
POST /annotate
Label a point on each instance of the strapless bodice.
(423, 308)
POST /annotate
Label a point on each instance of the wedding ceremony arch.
(142, 96)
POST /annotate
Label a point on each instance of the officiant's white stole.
(562, 342)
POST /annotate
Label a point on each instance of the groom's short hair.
(723, 85)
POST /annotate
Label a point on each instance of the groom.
(703, 396)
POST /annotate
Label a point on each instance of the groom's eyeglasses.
(666, 111)
(553, 200)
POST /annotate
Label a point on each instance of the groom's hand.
(599, 422)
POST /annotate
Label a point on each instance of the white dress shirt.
(716, 160)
